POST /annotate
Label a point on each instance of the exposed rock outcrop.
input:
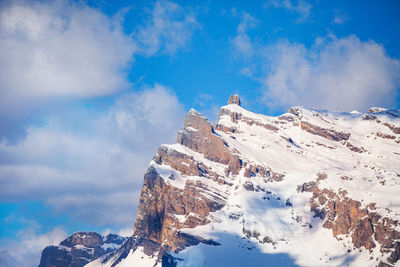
(80, 249)
(159, 203)
(236, 116)
(345, 216)
(267, 173)
(198, 134)
(234, 99)
(329, 134)
(87, 239)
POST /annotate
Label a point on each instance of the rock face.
(159, 205)
(87, 239)
(198, 135)
(79, 249)
(319, 187)
(234, 99)
(326, 133)
(346, 216)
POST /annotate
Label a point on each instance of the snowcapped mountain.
(307, 188)
(79, 249)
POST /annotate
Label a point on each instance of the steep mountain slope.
(307, 188)
(79, 249)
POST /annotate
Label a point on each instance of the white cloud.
(336, 73)
(52, 50)
(126, 231)
(168, 29)
(241, 41)
(302, 8)
(59, 49)
(94, 175)
(339, 18)
(27, 248)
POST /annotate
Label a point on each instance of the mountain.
(79, 249)
(306, 188)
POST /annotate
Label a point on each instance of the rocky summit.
(80, 249)
(306, 188)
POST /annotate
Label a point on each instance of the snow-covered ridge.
(306, 188)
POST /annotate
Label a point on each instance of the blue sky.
(90, 89)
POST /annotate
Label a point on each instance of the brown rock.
(267, 173)
(87, 239)
(392, 127)
(386, 136)
(362, 234)
(354, 148)
(234, 99)
(199, 136)
(248, 186)
(159, 202)
(78, 249)
(235, 117)
(326, 133)
(346, 217)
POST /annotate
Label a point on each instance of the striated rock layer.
(314, 187)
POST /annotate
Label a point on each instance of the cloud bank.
(93, 175)
(59, 49)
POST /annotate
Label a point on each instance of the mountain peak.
(255, 181)
(234, 99)
(195, 121)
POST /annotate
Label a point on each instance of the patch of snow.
(134, 258)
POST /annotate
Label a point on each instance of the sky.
(90, 89)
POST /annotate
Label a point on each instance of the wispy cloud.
(241, 41)
(300, 7)
(168, 29)
(339, 18)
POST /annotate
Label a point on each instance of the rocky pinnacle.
(234, 99)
